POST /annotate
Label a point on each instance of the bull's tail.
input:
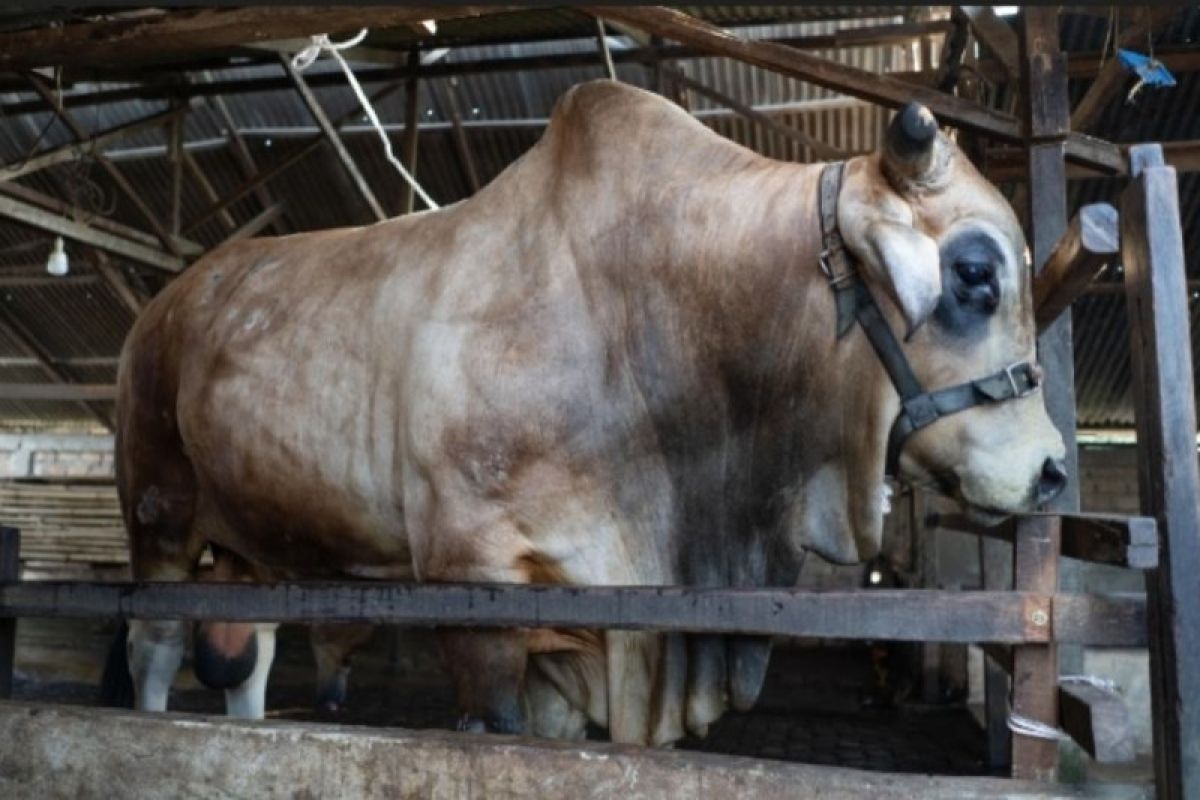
(116, 685)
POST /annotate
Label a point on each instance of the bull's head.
(944, 247)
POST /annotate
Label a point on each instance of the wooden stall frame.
(1036, 616)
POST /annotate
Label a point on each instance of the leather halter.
(918, 408)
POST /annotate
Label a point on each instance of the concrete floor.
(817, 707)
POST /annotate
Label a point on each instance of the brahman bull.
(631, 359)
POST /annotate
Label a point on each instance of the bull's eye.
(972, 264)
(974, 273)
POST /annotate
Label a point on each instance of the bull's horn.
(910, 150)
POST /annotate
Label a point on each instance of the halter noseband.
(918, 408)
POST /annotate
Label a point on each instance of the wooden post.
(996, 566)
(461, 146)
(175, 154)
(10, 572)
(329, 131)
(1168, 480)
(408, 147)
(1037, 545)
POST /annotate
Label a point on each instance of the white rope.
(305, 58)
(1027, 726)
(1092, 680)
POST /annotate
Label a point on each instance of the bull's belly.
(305, 532)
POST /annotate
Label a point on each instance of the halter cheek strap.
(918, 408)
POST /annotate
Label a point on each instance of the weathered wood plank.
(1168, 478)
(181, 33)
(899, 615)
(882, 89)
(995, 35)
(1035, 667)
(1091, 242)
(10, 571)
(408, 145)
(1098, 721)
(1122, 541)
(75, 392)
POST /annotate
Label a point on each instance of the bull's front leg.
(488, 668)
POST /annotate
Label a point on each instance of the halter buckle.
(825, 260)
(1032, 382)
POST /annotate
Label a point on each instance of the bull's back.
(254, 385)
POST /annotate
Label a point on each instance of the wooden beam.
(44, 91)
(1095, 718)
(1091, 242)
(610, 71)
(1098, 721)
(329, 131)
(74, 392)
(206, 188)
(1035, 667)
(901, 615)
(996, 36)
(245, 159)
(881, 89)
(855, 37)
(819, 149)
(263, 177)
(1113, 77)
(116, 282)
(175, 157)
(255, 225)
(184, 33)
(1007, 163)
(954, 47)
(53, 204)
(1152, 253)
(1177, 58)
(86, 147)
(33, 216)
(1120, 541)
(462, 147)
(408, 145)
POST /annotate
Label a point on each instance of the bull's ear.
(905, 262)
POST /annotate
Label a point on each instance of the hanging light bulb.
(56, 264)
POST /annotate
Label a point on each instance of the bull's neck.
(742, 264)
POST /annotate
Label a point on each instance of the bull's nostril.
(1052, 480)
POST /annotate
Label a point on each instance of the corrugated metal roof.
(503, 111)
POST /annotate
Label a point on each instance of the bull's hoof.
(502, 725)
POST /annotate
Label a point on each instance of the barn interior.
(147, 137)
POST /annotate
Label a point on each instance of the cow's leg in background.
(332, 647)
(488, 668)
(236, 656)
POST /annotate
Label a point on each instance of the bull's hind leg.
(236, 656)
(159, 512)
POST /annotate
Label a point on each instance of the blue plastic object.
(1149, 71)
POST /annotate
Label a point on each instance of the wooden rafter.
(263, 177)
(83, 148)
(179, 34)
(329, 131)
(408, 146)
(28, 214)
(126, 188)
(996, 36)
(882, 89)
(819, 149)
